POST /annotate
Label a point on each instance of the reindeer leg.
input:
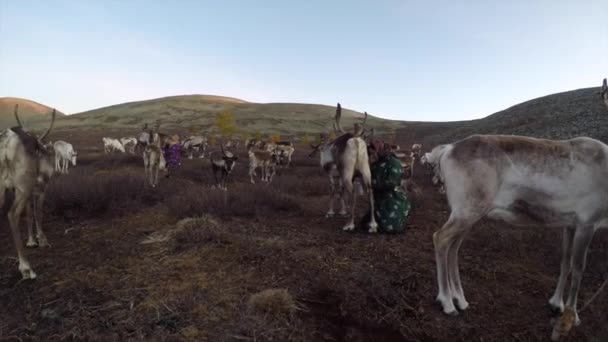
(251, 173)
(454, 273)
(38, 206)
(332, 193)
(443, 239)
(582, 239)
(14, 216)
(350, 225)
(340, 193)
(556, 302)
(29, 218)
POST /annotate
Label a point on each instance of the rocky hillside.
(564, 115)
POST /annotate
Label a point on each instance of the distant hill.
(198, 113)
(568, 114)
(30, 112)
(564, 115)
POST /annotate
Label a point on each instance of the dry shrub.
(80, 194)
(195, 231)
(273, 302)
(240, 200)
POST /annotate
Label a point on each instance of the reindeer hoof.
(28, 273)
(43, 243)
(447, 306)
(343, 214)
(330, 215)
(556, 307)
(31, 243)
(461, 304)
(349, 227)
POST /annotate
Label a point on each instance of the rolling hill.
(198, 113)
(30, 112)
(562, 115)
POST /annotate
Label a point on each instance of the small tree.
(258, 135)
(225, 123)
(306, 139)
(275, 138)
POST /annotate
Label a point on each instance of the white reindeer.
(64, 154)
(111, 144)
(129, 144)
(25, 168)
(523, 181)
(284, 154)
(345, 158)
(196, 143)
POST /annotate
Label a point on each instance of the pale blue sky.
(423, 60)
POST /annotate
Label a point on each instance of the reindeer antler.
(17, 115)
(44, 135)
(222, 146)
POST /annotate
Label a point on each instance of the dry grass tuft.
(275, 302)
(195, 231)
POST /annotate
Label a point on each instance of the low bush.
(239, 200)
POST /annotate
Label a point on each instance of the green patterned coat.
(391, 204)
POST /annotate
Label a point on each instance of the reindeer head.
(36, 147)
(416, 151)
(34, 144)
(73, 159)
(229, 159)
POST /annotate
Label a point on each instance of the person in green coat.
(392, 207)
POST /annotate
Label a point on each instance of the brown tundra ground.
(204, 278)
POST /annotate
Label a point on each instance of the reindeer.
(129, 144)
(284, 154)
(154, 159)
(195, 143)
(254, 143)
(523, 181)
(232, 144)
(223, 166)
(111, 144)
(143, 139)
(25, 168)
(64, 154)
(266, 161)
(345, 158)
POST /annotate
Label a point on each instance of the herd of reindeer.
(517, 179)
